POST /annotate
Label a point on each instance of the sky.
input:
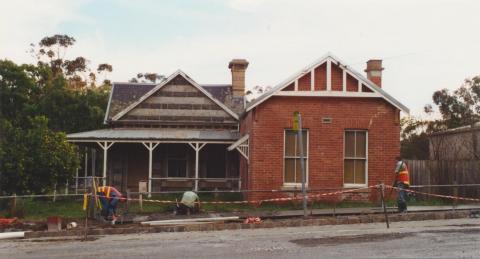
(426, 45)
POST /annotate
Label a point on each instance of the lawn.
(40, 208)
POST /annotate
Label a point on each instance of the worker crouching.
(109, 197)
(190, 203)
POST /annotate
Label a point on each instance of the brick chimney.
(238, 67)
(374, 71)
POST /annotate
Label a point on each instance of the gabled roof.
(124, 94)
(165, 82)
(322, 60)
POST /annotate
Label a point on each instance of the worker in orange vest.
(109, 197)
(402, 182)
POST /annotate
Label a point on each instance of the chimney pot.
(238, 67)
(374, 71)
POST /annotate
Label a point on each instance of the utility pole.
(297, 125)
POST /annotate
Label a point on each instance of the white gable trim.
(105, 120)
(166, 81)
(328, 58)
(328, 94)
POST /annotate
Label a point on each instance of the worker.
(402, 182)
(109, 197)
(190, 203)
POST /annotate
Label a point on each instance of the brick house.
(351, 130)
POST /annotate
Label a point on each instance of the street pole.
(302, 163)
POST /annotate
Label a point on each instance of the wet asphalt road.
(458, 238)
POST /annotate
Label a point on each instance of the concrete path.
(420, 239)
(367, 210)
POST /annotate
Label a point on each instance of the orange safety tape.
(433, 194)
(258, 202)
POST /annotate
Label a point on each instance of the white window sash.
(305, 156)
(353, 185)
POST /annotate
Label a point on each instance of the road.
(459, 238)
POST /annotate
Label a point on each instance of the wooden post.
(76, 181)
(127, 204)
(197, 147)
(140, 202)
(150, 146)
(105, 146)
(13, 209)
(382, 194)
(55, 192)
(455, 193)
(86, 222)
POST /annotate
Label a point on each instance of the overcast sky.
(425, 45)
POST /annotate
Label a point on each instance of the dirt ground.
(455, 238)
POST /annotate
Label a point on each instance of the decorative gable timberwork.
(179, 102)
(328, 77)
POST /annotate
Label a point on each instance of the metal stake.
(302, 164)
(382, 193)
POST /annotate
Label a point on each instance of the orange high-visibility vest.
(403, 176)
(105, 190)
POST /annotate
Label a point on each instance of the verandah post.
(105, 146)
(197, 147)
(150, 146)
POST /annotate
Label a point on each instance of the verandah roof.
(160, 134)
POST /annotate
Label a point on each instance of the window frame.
(306, 156)
(353, 185)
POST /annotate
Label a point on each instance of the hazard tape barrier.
(433, 194)
(255, 202)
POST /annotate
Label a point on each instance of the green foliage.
(38, 104)
(414, 139)
(462, 107)
(34, 158)
(458, 108)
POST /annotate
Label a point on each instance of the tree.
(38, 103)
(18, 90)
(460, 108)
(51, 53)
(414, 139)
(34, 159)
(144, 77)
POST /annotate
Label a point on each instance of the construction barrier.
(433, 194)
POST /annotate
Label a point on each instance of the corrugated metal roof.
(155, 134)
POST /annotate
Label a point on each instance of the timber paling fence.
(446, 177)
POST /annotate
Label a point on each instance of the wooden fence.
(440, 172)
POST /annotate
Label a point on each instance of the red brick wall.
(304, 83)
(337, 78)
(352, 84)
(325, 166)
(321, 77)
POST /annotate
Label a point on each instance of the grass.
(40, 209)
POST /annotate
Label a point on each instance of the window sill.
(292, 187)
(352, 185)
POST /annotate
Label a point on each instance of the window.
(292, 173)
(355, 157)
